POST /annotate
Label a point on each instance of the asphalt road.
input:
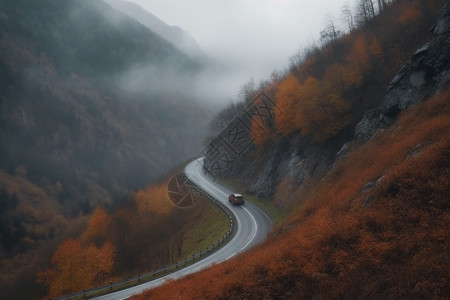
(252, 227)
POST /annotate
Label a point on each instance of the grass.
(274, 213)
(212, 226)
(208, 225)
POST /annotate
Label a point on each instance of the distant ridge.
(173, 34)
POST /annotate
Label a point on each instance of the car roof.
(237, 195)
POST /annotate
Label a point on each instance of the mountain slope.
(305, 116)
(74, 34)
(373, 223)
(173, 34)
(374, 228)
(61, 96)
(93, 106)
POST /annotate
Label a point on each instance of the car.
(236, 199)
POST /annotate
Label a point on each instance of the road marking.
(256, 229)
(251, 216)
(157, 282)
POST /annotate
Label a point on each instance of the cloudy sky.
(257, 36)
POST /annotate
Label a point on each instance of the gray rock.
(442, 26)
(298, 159)
(342, 153)
(370, 185)
(425, 75)
(368, 201)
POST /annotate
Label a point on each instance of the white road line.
(254, 232)
(251, 216)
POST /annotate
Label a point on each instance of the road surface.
(252, 227)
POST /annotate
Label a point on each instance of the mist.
(247, 40)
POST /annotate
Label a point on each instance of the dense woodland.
(144, 234)
(79, 140)
(388, 242)
(328, 88)
(93, 107)
(375, 225)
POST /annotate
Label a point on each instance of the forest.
(373, 225)
(327, 88)
(77, 134)
(317, 101)
(144, 234)
(346, 241)
(81, 143)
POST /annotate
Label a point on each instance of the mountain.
(292, 128)
(353, 144)
(93, 106)
(173, 34)
(65, 95)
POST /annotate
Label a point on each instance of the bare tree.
(381, 5)
(366, 11)
(347, 17)
(330, 32)
(248, 91)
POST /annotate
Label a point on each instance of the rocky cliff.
(297, 158)
(425, 75)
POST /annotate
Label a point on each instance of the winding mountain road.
(252, 227)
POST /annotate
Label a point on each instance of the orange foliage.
(146, 234)
(410, 14)
(336, 78)
(376, 49)
(287, 105)
(358, 61)
(259, 132)
(387, 242)
(153, 199)
(77, 266)
(310, 107)
(98, 225)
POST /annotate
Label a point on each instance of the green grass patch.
(212, 225)
(274, 213)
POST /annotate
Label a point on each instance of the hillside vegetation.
(93, 107)
(144, 234)
(310, 110)
(372, 221)
(376, 227)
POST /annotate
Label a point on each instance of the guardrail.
(147, 277)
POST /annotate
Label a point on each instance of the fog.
(250, 38)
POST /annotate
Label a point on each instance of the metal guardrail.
(147, 277)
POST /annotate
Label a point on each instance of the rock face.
(292, 160)
(232, 154)
(425, 75)
(442, 26)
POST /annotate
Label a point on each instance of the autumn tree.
(287, 98)
(77, 266)
(98, 227)
(358, 61)
(260, 133)
(153, 199)
(310, 107)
